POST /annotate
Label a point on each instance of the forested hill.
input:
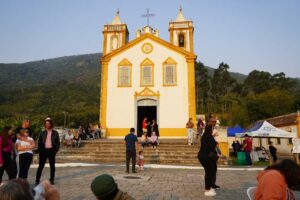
(72, 84)
(78, 68)
(72, 69)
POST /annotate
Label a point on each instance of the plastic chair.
(251, 193)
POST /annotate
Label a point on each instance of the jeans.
(248, 158)
(190, 135)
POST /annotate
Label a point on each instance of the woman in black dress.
(208, 158)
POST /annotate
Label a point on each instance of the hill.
(53, 86)
(73, 69)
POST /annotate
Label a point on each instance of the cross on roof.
(148, 15)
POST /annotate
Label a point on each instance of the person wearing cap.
(104, 187)
(48, 146)
(131, 146)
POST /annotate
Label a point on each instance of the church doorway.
(145, 108)
(145, 111)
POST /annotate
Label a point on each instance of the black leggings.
(7, 165)
(25, 160)
(210, 168)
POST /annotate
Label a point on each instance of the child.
(154, 140)
(144, 140)
(141, 161)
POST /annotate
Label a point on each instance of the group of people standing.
(22, 146)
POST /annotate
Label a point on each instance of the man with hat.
(104, 187)
(48, 146)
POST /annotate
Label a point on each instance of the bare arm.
(25, 148)
(25, 139)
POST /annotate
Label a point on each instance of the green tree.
(270, 103)
(222, 84)
(258, 82)
(202, 87)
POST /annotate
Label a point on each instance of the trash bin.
(241, 158)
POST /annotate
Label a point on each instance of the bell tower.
(115, 35)
(182, 32)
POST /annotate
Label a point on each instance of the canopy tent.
(232, 131)
(264, 129)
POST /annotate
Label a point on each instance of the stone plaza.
(156, 182)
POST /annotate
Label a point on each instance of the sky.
(247, 35)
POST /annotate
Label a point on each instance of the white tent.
(264, 129)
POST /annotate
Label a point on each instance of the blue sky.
(248, 35)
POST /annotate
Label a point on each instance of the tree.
(202, 87)
(281, 81)
(270, 103)
(258, 82)
(222, 84)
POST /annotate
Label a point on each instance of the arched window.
(169, 72)
(124, 73)
(147, 71)
(114, 42)
(181, 40)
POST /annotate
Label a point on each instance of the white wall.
(173, 101)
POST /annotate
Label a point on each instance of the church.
(148, 77)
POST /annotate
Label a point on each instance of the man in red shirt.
(247, 147)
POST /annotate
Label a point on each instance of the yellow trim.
(224, 147)
(191, 39)
(103, 98)
(191, 89)
(298, 126)
(163, 132)
(113, 132)
(171, 36)
(146, 62)
(125, 63)
(136, 41)
(147, 48)
(169, 61)
(104, 43)
(146, 92)
(120, 31)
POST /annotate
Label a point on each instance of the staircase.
(171, 152)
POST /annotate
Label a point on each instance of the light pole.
(65, 118)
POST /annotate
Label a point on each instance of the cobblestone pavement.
(157, 184)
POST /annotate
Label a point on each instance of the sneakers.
(216, 187)
(210, 193)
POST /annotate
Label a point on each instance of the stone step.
(113, 151)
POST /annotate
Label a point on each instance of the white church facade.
(147, 77)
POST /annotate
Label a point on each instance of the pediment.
(125, 62)
(147, 92)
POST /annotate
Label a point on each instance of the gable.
(154, 39)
